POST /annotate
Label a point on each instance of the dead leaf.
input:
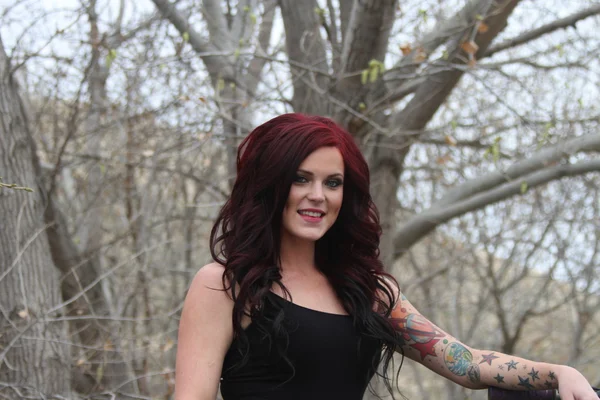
(450, 140)
(470, 47)
(168, 345)
(108, 345)
(421, 55)
(483, 27)
(444, 159)
(406, 49)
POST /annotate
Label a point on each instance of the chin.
(309, 236)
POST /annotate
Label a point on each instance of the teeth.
(310, 213)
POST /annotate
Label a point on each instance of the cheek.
(291, 200)
(338, 202)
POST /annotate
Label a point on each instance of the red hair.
(246, 235)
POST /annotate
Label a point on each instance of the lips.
(311, 215)
(311, 212)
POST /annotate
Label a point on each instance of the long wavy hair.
(246, 235)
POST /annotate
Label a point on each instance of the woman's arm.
(431, 346)
(205, 334)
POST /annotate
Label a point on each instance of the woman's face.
(315, 196)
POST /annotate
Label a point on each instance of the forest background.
(120, 119)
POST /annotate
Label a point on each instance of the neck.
(297, 256)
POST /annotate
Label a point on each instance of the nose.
(316, 192)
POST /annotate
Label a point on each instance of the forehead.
(326, 160)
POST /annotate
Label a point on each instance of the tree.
(353, 88)
(336, 54)
(234, 80)
(476, 123)
(34, 350)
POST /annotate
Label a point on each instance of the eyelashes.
(300, 179)
(332, 183)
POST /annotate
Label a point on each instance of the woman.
(297, 304)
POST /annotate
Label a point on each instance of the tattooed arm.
(477, 369)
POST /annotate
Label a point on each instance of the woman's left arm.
(477, 369)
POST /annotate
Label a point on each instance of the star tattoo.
(551, 375)
(426, 349)
(487, 358)
(548, 384)
(525, 383)
(534, 375)
(511, 365)
(501, 367)
(499, 378)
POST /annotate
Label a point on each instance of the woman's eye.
(333, 183)
(300, 179)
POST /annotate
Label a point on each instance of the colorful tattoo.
(418, 329)
(473, 373)
(525, 383)
(458, 358)
(534, 375)
(487, 358)
(499, 378)
(423, 336)
(511, 364)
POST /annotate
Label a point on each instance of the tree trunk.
(304, 44)
(34, 354)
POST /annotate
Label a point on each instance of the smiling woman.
(297, 304)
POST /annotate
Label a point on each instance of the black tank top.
(330, 359)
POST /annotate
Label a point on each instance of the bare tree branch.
(305, 45)
(333, 26)
(367, 37)
(264, 36)
(214, 65)
(345, 12)
(446, 30)
(543, 30)
(419, 226)
(242, 25)
(367, 34)
(538, 161)
(217, 25)
(432, 93)
(120, 16)
(118, 38)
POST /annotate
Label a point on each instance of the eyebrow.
(336, 175)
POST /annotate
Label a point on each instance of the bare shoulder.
(208, 284)
(206, 300)
(205, 334)
(210, 273)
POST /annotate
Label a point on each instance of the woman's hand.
(573, 386)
